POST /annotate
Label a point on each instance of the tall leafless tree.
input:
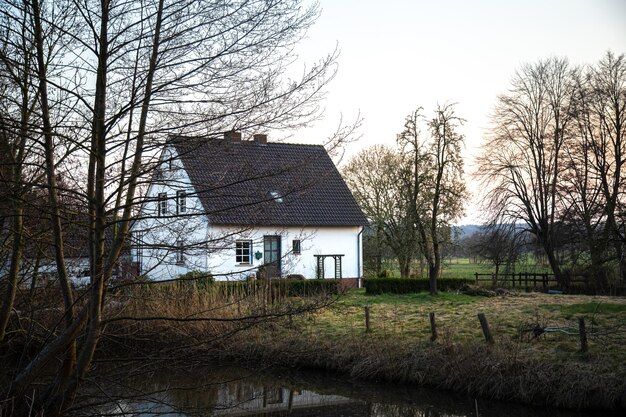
(521, 162)
(601, 116)
(433, 181)
(107, 82)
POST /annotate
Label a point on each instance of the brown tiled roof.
(248, 183)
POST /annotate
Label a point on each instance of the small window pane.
(243, 251)
(181, 202)
(180, 252)
(296, 246)
(162, 204)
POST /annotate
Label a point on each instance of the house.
(243, 209)
(39, 251)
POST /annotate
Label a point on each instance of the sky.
(398, 55)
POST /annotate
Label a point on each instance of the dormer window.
(275, 195)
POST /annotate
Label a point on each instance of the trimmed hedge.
(306, 287)
(374, 286)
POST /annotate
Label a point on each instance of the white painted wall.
(213, 248)
(156, 237)
(314, 241)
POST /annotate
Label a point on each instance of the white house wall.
(156, 237)
(314, 241)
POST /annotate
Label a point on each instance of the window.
(181, 202)
(180, 252)
(162, 204)
(137, 237)
(295, 246)
(243, 251)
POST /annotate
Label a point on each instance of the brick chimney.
(232, 136)
(260, 139)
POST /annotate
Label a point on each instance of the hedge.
(307, 287)
(374, 286)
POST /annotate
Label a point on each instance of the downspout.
(358, 259)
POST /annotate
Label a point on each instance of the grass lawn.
(406, 317)
(464, 268)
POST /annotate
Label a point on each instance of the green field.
(465, 268)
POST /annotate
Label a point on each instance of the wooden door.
(272, 255)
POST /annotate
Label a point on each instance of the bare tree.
(521, 162)
(601, 117)
(108, 81)
(501, 245)
(374, 176)
(433, 181)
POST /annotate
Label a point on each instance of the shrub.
(385, 273)
(410, 285)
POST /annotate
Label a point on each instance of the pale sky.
(397, 55)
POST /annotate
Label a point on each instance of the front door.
(271, 254)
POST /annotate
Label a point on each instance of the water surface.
(236, 391)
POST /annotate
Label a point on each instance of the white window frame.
(296, 243)
(181, 201)
(180, 252)
(162, 208)
(241, 246)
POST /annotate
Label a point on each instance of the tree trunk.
(434, 269)
(69, 360)
(12, 279)
(405, 267)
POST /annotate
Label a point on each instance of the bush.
(410, 285)
(385, 273)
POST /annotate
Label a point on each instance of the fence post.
(485, 327)
(583, 335)
(367, 319)
(476, 273)
(433, 327)
(526, 283)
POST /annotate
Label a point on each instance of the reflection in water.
(231, 391)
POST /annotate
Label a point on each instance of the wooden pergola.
(320, 265)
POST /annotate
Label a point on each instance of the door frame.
(278, 261)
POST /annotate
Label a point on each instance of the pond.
(236, 391)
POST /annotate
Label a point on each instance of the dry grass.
(191, 317)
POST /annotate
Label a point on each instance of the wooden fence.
(522, 280)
